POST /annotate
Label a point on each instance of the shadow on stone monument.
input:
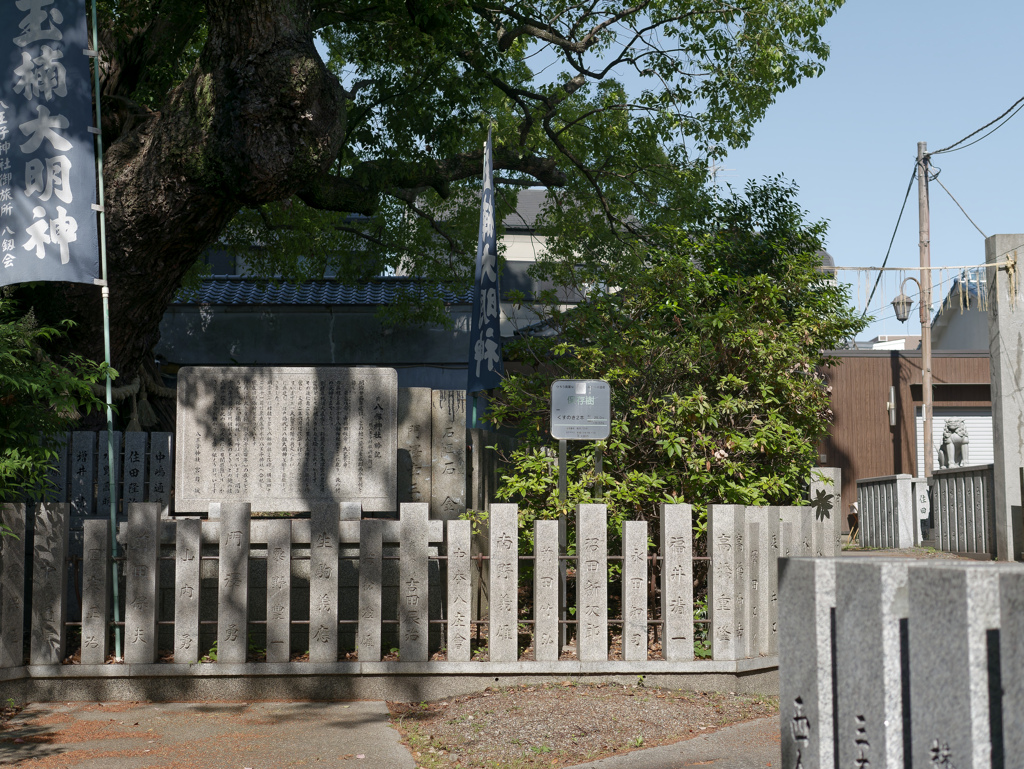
(315, 442)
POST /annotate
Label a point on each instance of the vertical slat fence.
(197, 577)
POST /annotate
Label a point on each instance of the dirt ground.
(908, 552)
(558, 725)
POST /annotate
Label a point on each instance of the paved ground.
(753, 745)
(269, 735)
(264, 735)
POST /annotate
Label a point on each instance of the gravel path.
(559, 725)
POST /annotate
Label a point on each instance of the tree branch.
(359, 191)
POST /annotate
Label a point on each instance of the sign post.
(581, 410)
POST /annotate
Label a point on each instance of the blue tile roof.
(243, 291)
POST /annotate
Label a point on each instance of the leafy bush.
(711, 342)
(41, 398)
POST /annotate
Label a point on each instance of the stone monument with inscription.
(286, 439)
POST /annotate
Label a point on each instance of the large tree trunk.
(258, 114)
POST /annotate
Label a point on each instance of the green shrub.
(41, 397)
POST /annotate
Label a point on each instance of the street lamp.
(902, 304)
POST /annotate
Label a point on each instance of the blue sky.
(900, 72)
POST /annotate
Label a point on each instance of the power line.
(953, 147)
(934, 267)
(936, 178)
(891, 241)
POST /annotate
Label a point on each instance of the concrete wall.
(955, 330)
(1006, 349)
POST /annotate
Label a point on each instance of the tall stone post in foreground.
(1006, 348)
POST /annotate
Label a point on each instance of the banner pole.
(105, 288)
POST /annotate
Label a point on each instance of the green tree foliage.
(40, 400)
(224, 126)
(711, 342)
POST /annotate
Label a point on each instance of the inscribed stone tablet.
(459, 590)
(83, 467)
(634, 590)
(975, 514)
(414, 431)
(827, 503)
(161, 469)
(233, 583)
(962, 505)
(323, 584)
(786, 534)
(448, 478)
(772, 562)
(592, 583)
(871, 603)
(725, 585)
(279, 590)
(371, 551)
(49, 583)
(753, 586)
(677, 581)
(503, 627)
(285, 439)
(806, 601)
(763, 553)
(952, 609)
(187, 555)
(413, 594)
(134, 467)
(143, 542)
(796, 523)
(12, 585)
(57, 476)
(545, 591)
(1011, 642)
(95, 591)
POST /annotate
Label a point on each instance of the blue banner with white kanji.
(486, 367)
(48, 228)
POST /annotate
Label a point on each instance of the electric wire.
(1009, 114)
(932, 268)
(936, 178)
(892, 240)
(1018, 105)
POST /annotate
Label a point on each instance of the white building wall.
(978, 422)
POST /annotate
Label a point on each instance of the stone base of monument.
(372, 681)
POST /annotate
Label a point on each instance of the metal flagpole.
(105, 288)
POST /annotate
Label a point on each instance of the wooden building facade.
(863, 442)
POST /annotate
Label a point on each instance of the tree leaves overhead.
(223, 121)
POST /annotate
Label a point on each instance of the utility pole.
(926, 303)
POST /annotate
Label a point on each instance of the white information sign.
(581, 409)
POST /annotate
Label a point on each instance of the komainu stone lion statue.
(953, 451)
